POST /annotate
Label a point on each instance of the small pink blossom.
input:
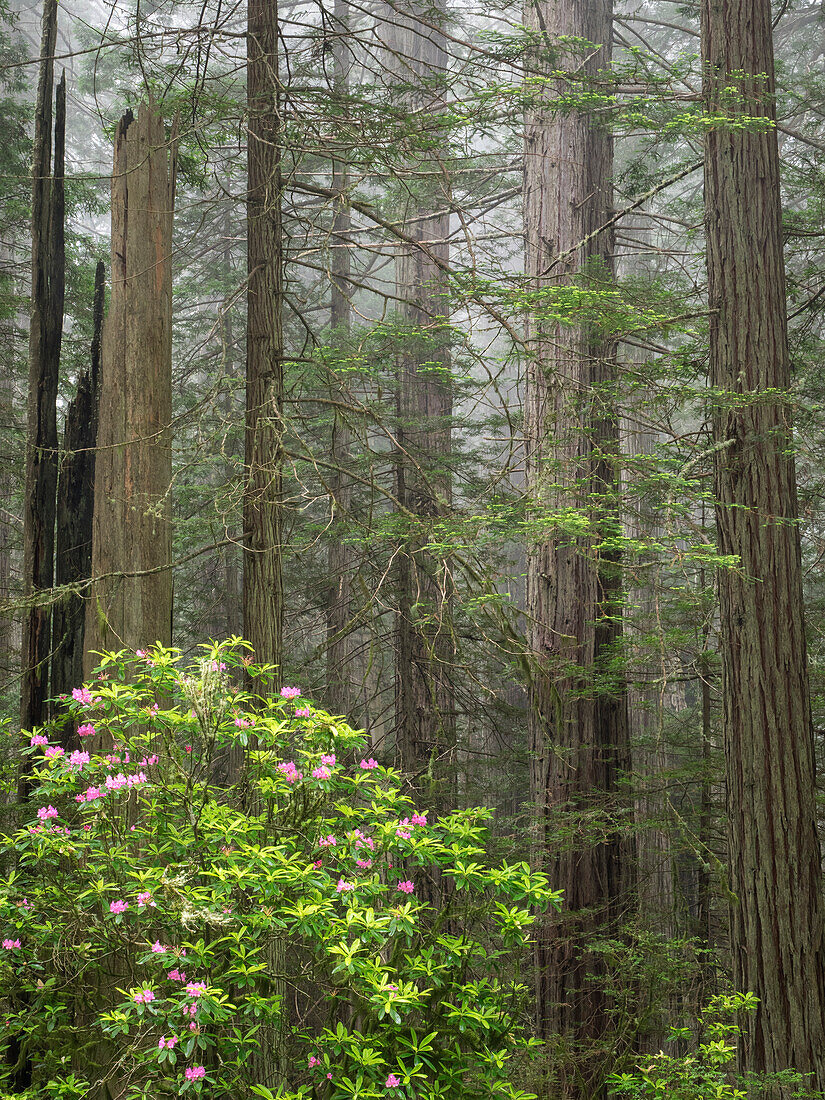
(329, 1077)
(290, 772)
(329, 760)
(54, 752)
(195, 989)
(140, 652)
(38, 739)
(194, 1073)
(143, 997)
(45, 812)
(218, 667)
(303, 712)
(419, 819)
(403, 834)
(321, 773)
(343, 887)
(368, 765)
(313, 1061)
(405, 887)
(145, 898)
(365, 863)
(318, 863)
(93, 793)
(79, 758)
(187, 748)
(158, 948)
(327, 841)
(392, 1082)
(176, 975)
(82, 695)
(290, 692)
(11, 945)
(242, 723)
(86, 730)
(119, 906)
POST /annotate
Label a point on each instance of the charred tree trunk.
(131, 598)
(45, 334)
(578, 715)
(340, 687)
(262, 581)
(777, 922)
(425, 647)
(75, 510)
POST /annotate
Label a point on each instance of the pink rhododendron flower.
(194, 1073)
(82, 695)
(363, 863)
(119, 906)
(187, 748)
(313, 1061)
(303, 712)
(195, 989)
(143, 997)
(392, 1082)
(92, 793)
(145, 898)
(10, 945)
(318, 863)
(176, 975)
(242, 723)
(78, 758)
(329, 760)
(140, 652)
(289, 771)
(321, 773)
(218, 667)
(86, 730)
(405, 887)
(343, 887)
(53, 752)
(45, 812)
(158, 948)
(327, 841)
(419, 819)
(368, 765)
(38, 739)
(404, 834)
(290, 692)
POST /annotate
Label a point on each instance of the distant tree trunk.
(339, 676)
(579, 732)
(131, 598)
(45, 335)
(75, 510)
(777, 923)
(262, 581)
(425, 648)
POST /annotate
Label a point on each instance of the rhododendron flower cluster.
(289, 771)
(10, 945)
(406, 887)
(368, 765)
(83, 695)
(168, 1044)
(38, 739)
(45, 812)
(194, 1073)
(119, 906)
(392, 1082)
(290, 692)
(328, 841)
(143, 997)
(86, 730)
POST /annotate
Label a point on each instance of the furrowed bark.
(579, 733)
(777, 921)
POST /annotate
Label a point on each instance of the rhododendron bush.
(224, 892)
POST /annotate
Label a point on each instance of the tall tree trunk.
(131, 599)
(777, 922)
(425, 707)
(262, 581)
(75, 509)
(45, 334)
(578, 715)
(340, 564)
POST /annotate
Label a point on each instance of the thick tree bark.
(425, 648)
(340, 686)
(75, 509)
(45, 334)
(262, 581)
(578, 716)
(131, 599)
(777, 922)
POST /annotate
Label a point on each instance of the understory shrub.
(221, 891)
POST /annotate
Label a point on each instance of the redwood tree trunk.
(425, 707)
(131, 600)
(75, 509)
(777, 922)
(340, 686)
(578, 715)
(45, 334)
(262, 582)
